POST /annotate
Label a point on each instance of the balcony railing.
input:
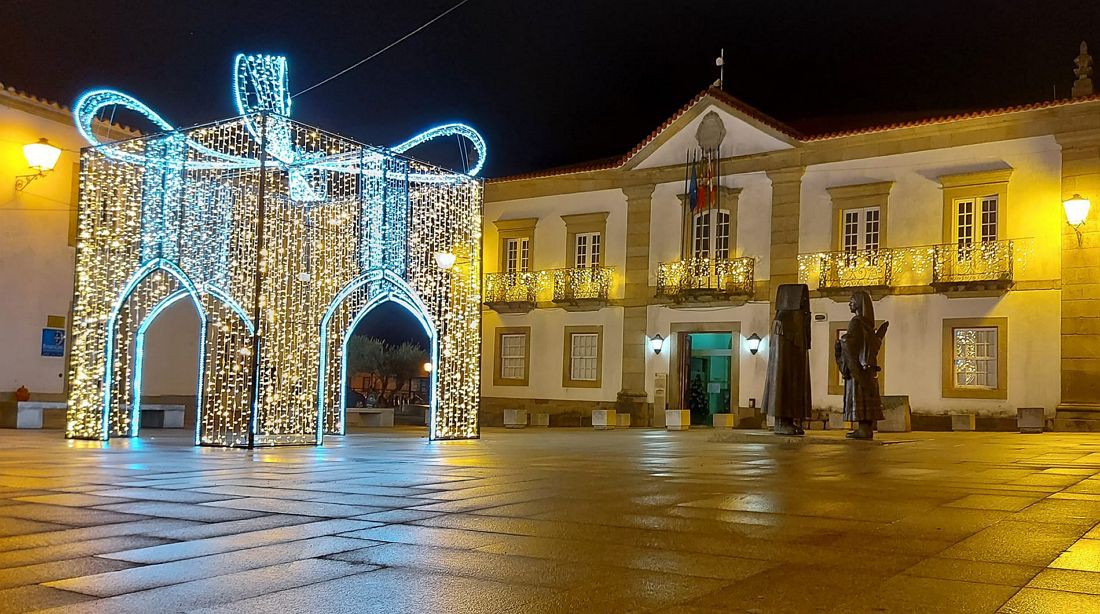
(701, 277)
(871, 268)
(975, 263)
(516, 288)
(580, 285)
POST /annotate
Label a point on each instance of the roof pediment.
(747, 131)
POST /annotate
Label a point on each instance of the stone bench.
(604, 419)
(155, 416)
(515, 418)
(29, 415)
(372, 416)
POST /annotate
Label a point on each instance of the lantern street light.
(657, 343)
(41, 158)
(1077, 209)
(753, 343)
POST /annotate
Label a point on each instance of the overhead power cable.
(382, 50)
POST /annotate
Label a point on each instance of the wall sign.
(53, 342)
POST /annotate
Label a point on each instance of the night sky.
(393, 324)
(552, 83)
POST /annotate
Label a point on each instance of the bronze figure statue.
(856, 355)
(787, 389)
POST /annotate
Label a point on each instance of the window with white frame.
(586, 250)
(859, 230)
(517, 255)
(513, 356)
(976, 219)
(710, 234)
(975, 358)
(584, 356)
(989, 218)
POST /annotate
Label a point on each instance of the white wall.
(36, 262)
(915, 209)
(754, 210)
(914, 343)
(547, 352)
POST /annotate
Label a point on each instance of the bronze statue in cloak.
(787, 389)
(856, 355)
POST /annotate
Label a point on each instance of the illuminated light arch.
(395, 291)
(187, 289)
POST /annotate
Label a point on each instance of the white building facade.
(954, 225)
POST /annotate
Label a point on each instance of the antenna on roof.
(720, 62)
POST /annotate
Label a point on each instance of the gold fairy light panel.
(283, 237)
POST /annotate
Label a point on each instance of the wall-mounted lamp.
(445, 260)
(428, 367)
(753, 343)
(41, 158)
(1077, 209)
(657, 343)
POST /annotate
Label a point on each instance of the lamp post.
(41, 157)
(1077, 209)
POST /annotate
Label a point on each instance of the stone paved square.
(553, 521)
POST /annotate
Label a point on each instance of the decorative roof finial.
(1083, 85)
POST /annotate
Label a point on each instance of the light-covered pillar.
(633, 398)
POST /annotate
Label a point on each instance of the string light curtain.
(283, 236)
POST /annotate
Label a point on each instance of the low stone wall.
(563, 412)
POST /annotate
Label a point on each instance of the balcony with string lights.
(581, 287)
(840, 272)
(511, 292)
(973, 268)
(706, 280)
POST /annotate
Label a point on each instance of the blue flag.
(693, 190)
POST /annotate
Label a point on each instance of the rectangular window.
(586, 250)
(859, 229)
(513, 356)
(516, 255)
(964, 226)
(989, 218)
(975, 358)
(584, 356)
(706, 242)
(722, 236)
(702, 236)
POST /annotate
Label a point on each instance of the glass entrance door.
(705, 371)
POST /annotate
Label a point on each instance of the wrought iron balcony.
(983, 265)
(871, 268)
(704, 278)
(515, 291)
(582, 285)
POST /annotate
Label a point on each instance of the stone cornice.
(960, 180)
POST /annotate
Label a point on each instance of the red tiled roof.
(943, 119)
(53, 105)
(718, 94)
(617, 161)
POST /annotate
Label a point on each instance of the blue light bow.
(261, 84)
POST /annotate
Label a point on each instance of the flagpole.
(686, 205)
